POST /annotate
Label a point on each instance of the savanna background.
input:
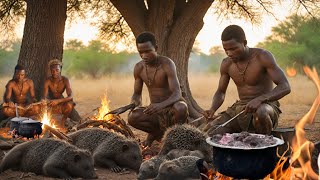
(97, 68)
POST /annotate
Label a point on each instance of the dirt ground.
(294, 107)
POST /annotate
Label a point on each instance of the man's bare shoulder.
(226, 62)
(165, 61)
(11, 83)
(263, 56)
(139, 64)
(29, 81)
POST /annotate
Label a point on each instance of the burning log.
(116, 123)
(57, 133)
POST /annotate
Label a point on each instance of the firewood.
(116, 128)
(84, 124)
(58, 134)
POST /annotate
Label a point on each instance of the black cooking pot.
(245, 163)
(15, 122)
(30, 128)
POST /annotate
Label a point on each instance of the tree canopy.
(295, 42)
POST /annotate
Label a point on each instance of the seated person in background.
(158, 73)
(17, 91)
(53, 90)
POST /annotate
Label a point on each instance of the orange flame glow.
(300, 145)
(104, 109)
(291, 72)
(46, 119)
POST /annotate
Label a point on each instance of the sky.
(208, 37)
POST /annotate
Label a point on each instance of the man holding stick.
(254, 71)
(16, 96)
(166, 106)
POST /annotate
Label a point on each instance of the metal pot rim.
(18, 119)
(30, 121)
(278, 142)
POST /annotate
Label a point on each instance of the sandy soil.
(294, 107)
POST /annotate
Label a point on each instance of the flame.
(104, 109)
(291, 71)
(300, 145)
(46, 119)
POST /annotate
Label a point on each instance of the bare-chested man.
(53, 90)
(17, 90)
(158, 73)
(254, 71)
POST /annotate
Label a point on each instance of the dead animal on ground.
(109, 149)
(50, 157)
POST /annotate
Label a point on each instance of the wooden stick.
(57, 133)
(85, 124)
(21, 107)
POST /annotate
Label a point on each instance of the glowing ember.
(291, 72)
(104, 109)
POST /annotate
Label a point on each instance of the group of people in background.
(20, 98)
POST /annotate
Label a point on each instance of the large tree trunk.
(43, 38)
(176, 25)
(42, 41)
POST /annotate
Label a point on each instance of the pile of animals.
(182, 146)
(243, 140)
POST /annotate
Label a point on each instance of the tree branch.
(133, 12)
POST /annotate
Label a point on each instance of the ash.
(243, 140)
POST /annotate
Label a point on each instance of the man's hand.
(253, 105)
(208, 113)
(54, 102)
(11, 104)
(153, 108)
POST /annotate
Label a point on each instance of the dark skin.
(159, 75)
(57, 85)
(255, 85)
(18, 88)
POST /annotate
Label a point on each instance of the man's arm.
(219, 95)
(8, 93)
(68, 91)
(32, 91)
(45, 90)
(174, 85)
(138, 85)
(277, 76)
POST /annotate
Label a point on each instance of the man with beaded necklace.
(20, 94)
(254, 71)
(166, 106)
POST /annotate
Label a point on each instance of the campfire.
(50, 129)
(300, 160)
(110, 121)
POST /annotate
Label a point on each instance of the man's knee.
(181, 108)
(133, 117)
(68, 107)
(264, 112)
(9, 112)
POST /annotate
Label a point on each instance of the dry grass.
(119, 88)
